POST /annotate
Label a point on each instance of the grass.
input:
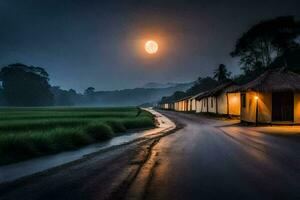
(31, 132)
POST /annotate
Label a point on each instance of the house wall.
(248, 110)
(234, 104)
(171, 105)
(201, 105)
(234, 100)
(198, 106)
(229, 103)
(265, 107)
(297, 107)
(212, 104)
(189, 103)
(205, 104)
(222, 103)
(182, 105)
(193, 101)
(166, 106)
(176, 106)
(248, 113)
(186, 105)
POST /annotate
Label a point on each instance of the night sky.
(96, 43)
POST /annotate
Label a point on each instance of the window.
(212, 102)
(243, 99)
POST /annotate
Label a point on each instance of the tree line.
(268, 44)
(23, 85)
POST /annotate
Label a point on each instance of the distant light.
(151, 47)
(256, 97)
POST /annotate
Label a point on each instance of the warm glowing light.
(256, 97)
(151, 47)
(234, 98)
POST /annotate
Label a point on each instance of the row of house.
(274, 97)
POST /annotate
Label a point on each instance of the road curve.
(210, 159)
(205, 159)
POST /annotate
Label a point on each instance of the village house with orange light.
(272, 98)
(219, 101)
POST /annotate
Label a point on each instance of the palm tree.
(221, 73)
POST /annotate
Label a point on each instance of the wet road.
(210, 159)
(206, 159)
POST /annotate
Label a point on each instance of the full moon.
(151, 47)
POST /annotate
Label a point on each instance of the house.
(185, 104)
(192, 103)
(182, 104)
(166, 106)
(201, 103)
(219, 101)
(171, 106)
(274, 97)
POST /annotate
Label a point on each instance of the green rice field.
(31, 132)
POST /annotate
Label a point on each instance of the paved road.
(208, 159)
(205, 159)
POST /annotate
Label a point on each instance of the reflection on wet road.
(210, 159)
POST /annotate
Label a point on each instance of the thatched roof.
(203, 95)
(191, 97)
(275, 80)
(197, 95)
(184, 98)
(217, 91)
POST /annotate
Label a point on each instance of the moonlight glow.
(151, 47)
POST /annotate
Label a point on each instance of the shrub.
(100, 131)
(117, 126)
(142, 122)
(14, 148)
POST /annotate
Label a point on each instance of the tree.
(89, 91)
(26, 85)
(2, 100)
(174, 97)
(64, 97)
(221, 74)
(289, 59)
(265, 41)
(202, 85)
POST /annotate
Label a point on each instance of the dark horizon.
(97, 42)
